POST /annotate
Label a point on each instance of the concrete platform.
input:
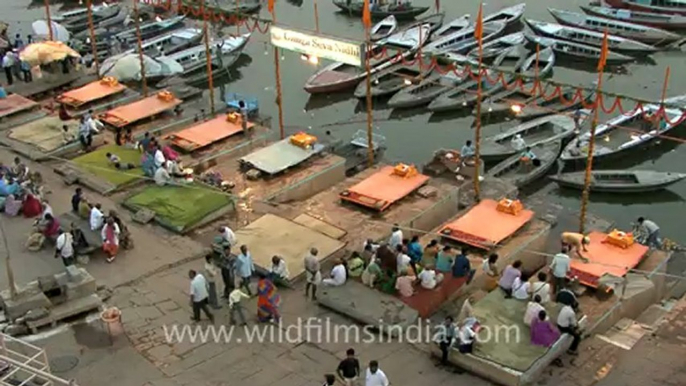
(94, 238)
(370, 307)
(273, 235)
(320, 226)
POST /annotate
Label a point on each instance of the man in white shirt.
(312, 272)
(7, 64)
(227, 236)
(64, 248)
(159, 157)
(467, 336)
(521, 288)
(560, 267)
(652, 230)
(235, 298)
(402, 259)
(429, 279)
(97, 219)
(338, 275)
(567, 324)
(374, 376)
(541, 288)
(162, 177)
(532, 310)
(518, 142)
(396, 237)
(279, 269)
(199, 296)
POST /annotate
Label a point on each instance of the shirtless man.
(576, 242)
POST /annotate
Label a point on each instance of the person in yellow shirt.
(576, 242)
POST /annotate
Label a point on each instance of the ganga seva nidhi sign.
(312, 44)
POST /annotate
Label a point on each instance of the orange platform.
(606, 259)
(485, 227)
(15, 103)
(123, 116)
(427, 302)
(383, 188)
(206, 133)
(89, 93)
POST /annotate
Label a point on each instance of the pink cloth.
(543, 333)
(51, 228)
(169, 153)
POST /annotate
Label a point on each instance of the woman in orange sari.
(268, 301)
(110, 239)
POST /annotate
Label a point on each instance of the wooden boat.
(194, 58)
(519, 173)
(465, 94)
(430, 88)
(573, 50)
(403, 11)
(621, 133)
(632, 31)
(619, 181)
(392, 80)
(496, 47)
(150, 29)
(538, 106)
(105, 27)
(502, 101)
(170, 43)
(657, 20)
(384, 28)
(510, 15)
(341, 76)
(226, 7)
(456, 25)
(534, 133)
(464, 40)
(546, 61)
(76, 13)
(591, 38)
(408, 38)
(81, 23)
(675, 7)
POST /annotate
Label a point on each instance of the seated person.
(174, 169)
(12, 206)
(566, 297)
(47, 228)
(79, 238)
(521, 288)
(444, 260)
(462, 267)
(96, 218)
(429, 279)
(467, 152)
(339, 275)
(279, 270)
(355, 265)
(115, 161)
(148, 164)
(169, 153)
(543, 333)
(541, 288)
(84, 209)
(404, 284)
(162, 177)
(518, 142)
(528, 155)
(372, 273)
(532, 310)
(31, 207)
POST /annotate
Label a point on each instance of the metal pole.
(48, 19)
(140, 47)
(208, 56)
(277, 69)
(8, 265)
(94, 46)
(370, 116)
(589, 158)
(477, 133)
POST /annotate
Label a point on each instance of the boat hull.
(638, 20)
(407, 14)
(645, 8)
(646, 181)
(547, 154)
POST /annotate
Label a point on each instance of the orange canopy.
(125, 115)
(15, 103)
(90, 93)
(207, 133)
(383, 188)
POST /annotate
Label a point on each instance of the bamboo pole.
(316, 16)
(277, 69)
(477, 131)
(8, 265)
(94, 46)
(368, 80)
(208, 56)
(140, 47)
(48, 19)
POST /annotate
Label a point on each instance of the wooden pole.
(368, 80)
(140, 47)
(8, 265)
(277, 69)
(48, 19)
(316, 16)
(208, 56)
(477, 133)
(94, 46)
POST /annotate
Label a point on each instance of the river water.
(413, 135)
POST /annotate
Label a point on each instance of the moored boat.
(519, 172)
(621, 133)
(464, 40)
(465, 94)
(591, 38)
(401, 11)
(677, 7)
(497, 46)
(533, 133)
(103, 13)
(549, 103)
(150, 29)
(455, 25)
(171, 42)
(657, 20)
(67, 16)
(510, 15)
(393, 79)
(384, 28)
(194, 58)
(430, 88)
(619, 181)
(502, 101)
(539, 65)
(632, 31)
(573, 50)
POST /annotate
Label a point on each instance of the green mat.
(96, 163)
(179, 207)
(499, 314)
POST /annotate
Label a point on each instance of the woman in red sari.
(268, 301)
(31, 207)
(110, 239)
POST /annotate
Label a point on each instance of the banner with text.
(310, 43)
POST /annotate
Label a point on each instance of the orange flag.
(270, 6)
(366, 15)
(603, 53)
(479, 29)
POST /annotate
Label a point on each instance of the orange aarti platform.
(605, 259)
(483, 226)
(383, 188)
(125, 115)
(15, 103)
(207, 133)
(90, 93)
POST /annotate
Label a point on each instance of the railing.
(24, 364)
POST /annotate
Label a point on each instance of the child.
(116, 161)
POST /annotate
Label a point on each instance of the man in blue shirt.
(467, 150)
(462, 267)
(245, 268)
(414, 249)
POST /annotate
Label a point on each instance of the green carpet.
(503, 317)
(96, 163)
(179, 207)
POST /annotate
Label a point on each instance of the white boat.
(578, 51)
(431, 87)
(194, 58)
(499, 45)
(509, 15)
(456, 25)
(150, 29)
(464, 40)
(170, 43)
(76, 13)
(384, 28)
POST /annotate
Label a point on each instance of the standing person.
(199, 296)
(227, 266)
(244, 116)
(18, 43)
(236, 307)
(560, 267)
(76, 200)
(567, 324)
(652, 231)
(463, 267)
(349, 368)
(85, 134)
(375, 376)
(268, 300)
(245, 268)
(211, 275)
(396, 237)
(313, 272)
(7, 64)
(446, 337)
(110, 239)
(26, 71)
(510, 273)
(575, 242)
(64, 248)
(97, 219)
